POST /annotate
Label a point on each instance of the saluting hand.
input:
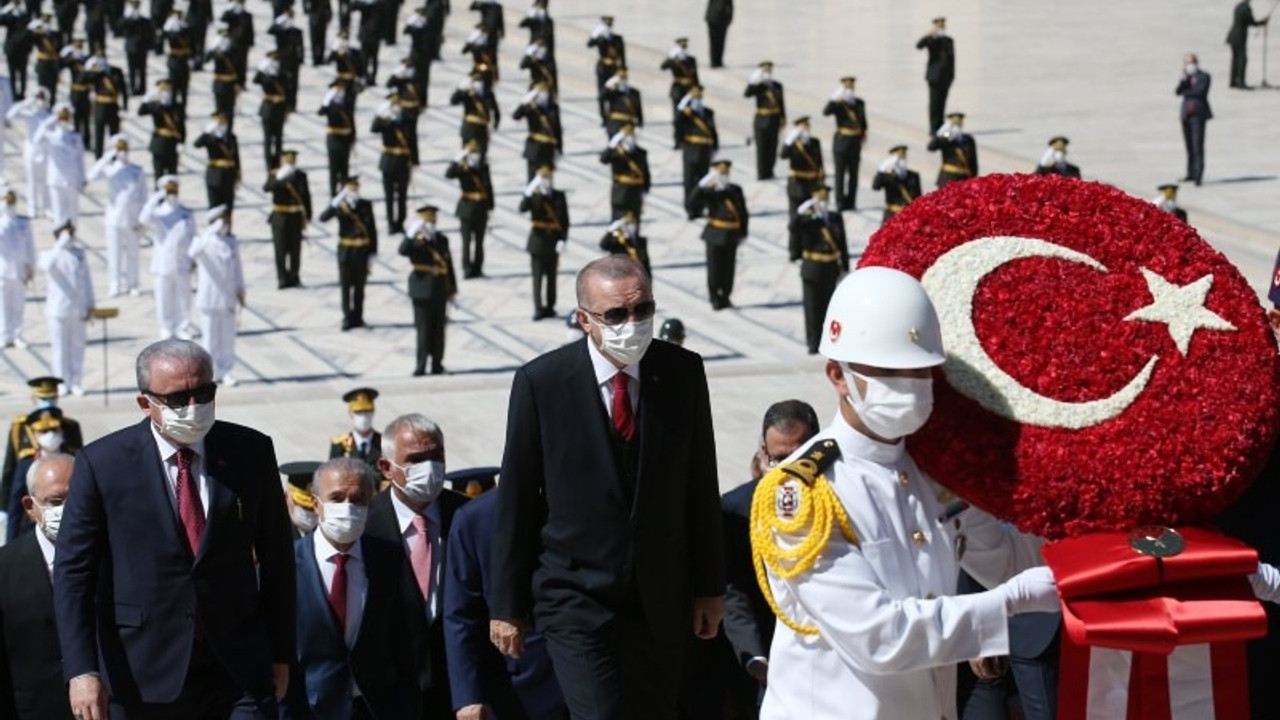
(507, 636)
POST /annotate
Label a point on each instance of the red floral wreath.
(1071, 333)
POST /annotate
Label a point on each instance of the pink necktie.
(190, 511)
(420, 556)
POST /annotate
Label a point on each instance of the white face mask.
(50, 441)
(343, 522)
(1192, 68)
(171, 200)
(187, 426)
(696, 104)
(50, 520)
(10, 210)
(423, 481)
(624, 85)
(477, 86)
(303, 519)
(362, 421)
(893, 407)
(627, 342)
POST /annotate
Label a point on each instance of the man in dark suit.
(748, 620)
(482, 680)
(823, 253)
(357, 245)
(1054, 160)
(351, 620)
(432, 283)
(608, 530)
(959, 151)
(548, 230)
(850, 113)
(727, 222)
(174, 578)
(31, 683)
(416, 514)
(901, 185)
(719, 15)
(939, 71)
(362, 442)
(1195, 113)
(1238, 38)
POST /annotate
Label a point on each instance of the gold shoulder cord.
(817, 511)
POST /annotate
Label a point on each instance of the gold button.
(903, 479)
(917, 537)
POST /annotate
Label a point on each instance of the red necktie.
(338, 592)
(623, 420)
(190, 510)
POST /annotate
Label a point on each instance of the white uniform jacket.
(221, 273)
(17, 248)
(70, 293)
(35, 115)
(891, 627)
(65, 152)
(126, 190)
(173, 230)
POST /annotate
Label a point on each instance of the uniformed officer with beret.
(22, 439)
(362, 442)
(432, 283)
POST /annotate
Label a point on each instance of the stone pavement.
(1102, 73)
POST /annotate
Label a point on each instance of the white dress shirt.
(357, 580)
(408, 533)
(605, 371)
(169, 457)
(46, 549)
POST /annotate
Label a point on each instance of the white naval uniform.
(68, 300)
(33, 155)
(173, 230)
(126, 194)
(221, 280)
(17, 264)
(891, 627)
(64, 170)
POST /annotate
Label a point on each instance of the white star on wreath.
(1180, 307)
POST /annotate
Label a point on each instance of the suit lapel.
(221, 497)
(581, 381)
(649, 422)
(155, 483)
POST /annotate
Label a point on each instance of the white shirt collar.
(405, 514)
(326, 550)
(854, 443)
(605, 370)
(46, 547)
(168, 449)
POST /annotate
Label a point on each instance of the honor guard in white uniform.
(126, 194)
(17, 266)
(219, 289)
(68, 302)
(172, 229)
(869, 626)
(64, 152)
(34, 110)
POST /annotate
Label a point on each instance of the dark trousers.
(395, 186)
(164, 161)
(370, 53)
(429, 320)
(766, 128)
(1193, 138)
(47, 78)
(538, 154)
(477, 132)
(848, 158)
(80, 114)
(319, 29)
(18, 76)
(339, 148)
(722, 262)
(626, 197)
(818, 288)
(180, 77)
(544, 273)
(938, 103)
(240, 59)
(697, 161)
(288, 245)
(717, 31)
(474, 223)
(221, 191)
(272, 140)
(106, 122)
(1239, 59)
(615, 672)
(1037, 682)
(351, 277)
(207, 694)
(137, 72)
(289, 78)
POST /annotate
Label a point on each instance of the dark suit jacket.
(514, 689)
(1241, 20)
(719, 11)
(381, 661)
(127, 593)
(570, 547)
(1194, 89)
(432, 677)
(748, 620)
(31, 685)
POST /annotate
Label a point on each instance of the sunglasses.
(182, 398)
(619, 315)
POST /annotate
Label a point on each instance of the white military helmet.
(882, 317)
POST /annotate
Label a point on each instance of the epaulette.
(815, 461)
(339, 439)
(18, 420)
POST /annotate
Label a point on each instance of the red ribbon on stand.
(1148, 592)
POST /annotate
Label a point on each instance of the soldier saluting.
(432, 284)
(545, 139)
(900, 184)
(290, 213)
(397, 161)
(548, 231)
(357, 246)
(959, 151)
(850, 113)
(471, 170)
(727, 220)
(823, 253)
(169, 129)
(771, 113)
(223, 170)
(338, 109)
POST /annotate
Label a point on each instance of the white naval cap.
(216, 213)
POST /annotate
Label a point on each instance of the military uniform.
(17, 267)
(199, 17)
(139, 34)
(540, 25)
(805, 174)
(823, 252)
(223, 171)
(696, 133)
(46, 422)
(126, 194)
(64, 171)
(226, 81)
(939, 71)
(612, 51)
(340, 132)
(110, 92)
(901, 186)
(727, 221)
(684, 76)
(1167, 201)
(549, 226)
(290, 213)
(479, 109)
(431, 284)
(178, 57)
(72, 59)
(169, 132)
(421, 49)
(771, 112)
(319, 13)
(353, 444)
(545, 137)
(631, 176)
(411, 103)
(22, 439)
(348, 64)
(481, 46)
(846, 147)
(290, 53)
(959, 152)
(239, 24)
(623, 238)
(68, 302)
(541, 65)
(273, 110)
(220, 287)
(14, 18)
(397, 161)
(45, 43)
(357, 244)
(35, 112)
(623, 107)
(172, 229)
(718, 16)
(369, 35)
(474, 206)
(1054, 160)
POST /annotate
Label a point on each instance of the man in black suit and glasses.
(608, 519)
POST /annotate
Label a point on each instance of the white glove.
(1031, 590)
(889, 164)
(285, 172)
(560, 246)
(1266, 583)
(337, 199)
